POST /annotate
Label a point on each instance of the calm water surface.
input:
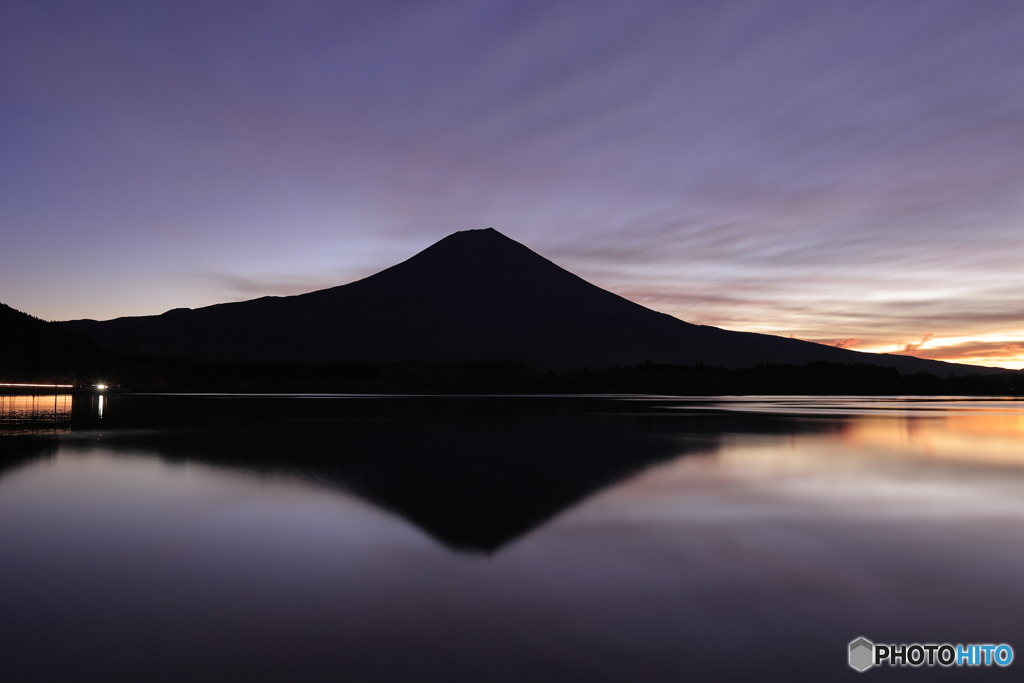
(314, 538)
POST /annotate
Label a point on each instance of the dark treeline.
(33, 350)
(169, 374)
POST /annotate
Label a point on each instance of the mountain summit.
(475, 295)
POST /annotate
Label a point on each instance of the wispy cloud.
(911, 348)
(238, 287)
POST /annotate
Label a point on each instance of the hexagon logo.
(862, 654)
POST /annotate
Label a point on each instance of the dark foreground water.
(215, 538)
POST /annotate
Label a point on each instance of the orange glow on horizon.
(1002, 350)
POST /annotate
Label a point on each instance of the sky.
(843, 171)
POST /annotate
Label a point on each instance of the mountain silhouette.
(475, 295)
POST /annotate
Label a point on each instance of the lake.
(600, 538)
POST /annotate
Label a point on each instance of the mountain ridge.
(475, 295)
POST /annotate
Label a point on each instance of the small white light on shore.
(101, 386)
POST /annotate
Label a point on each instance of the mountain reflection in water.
(474, 474)
(593, 539)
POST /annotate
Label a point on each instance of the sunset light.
(1000, 350)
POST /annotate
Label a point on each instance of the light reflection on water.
(34, 414)
(857, 405)
(991, 439)
(983, 430)
(995, 437)
(747, 544)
